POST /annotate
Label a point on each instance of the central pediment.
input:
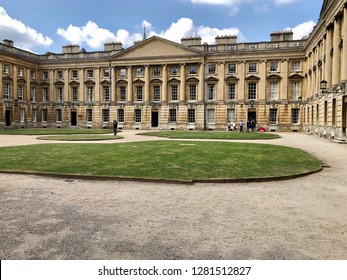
(156, 47)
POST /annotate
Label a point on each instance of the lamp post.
(323, 85)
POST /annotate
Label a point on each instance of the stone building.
(160, 84)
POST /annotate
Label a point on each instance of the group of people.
(250, 126)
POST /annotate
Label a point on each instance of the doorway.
(344, 115)
(155, 119)
(8, 118)
(73, 118)
(252, 115)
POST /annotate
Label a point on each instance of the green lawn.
(80, 137)
(167, 160)
(54, 131)
(212, 135)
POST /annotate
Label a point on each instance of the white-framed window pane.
(105, 115)
(232, 91)
(33, 94)
(90, 73)
(122, 72)
(156, 93)
(44, 115)
(6, 91)
(273, 66)
(89, 113)
(139, 72)
(274, 90)
(174, 92)
(74, 74)
(45, 95)
(296, 66)
(106, 94)
(273, 116)
(20, 93)
(138, 116)
(212, 69)
(22, 115)
(211, 91)
(252, 67)
(192, 92)
(231, 115)
(106, 73)
(139, 93)
(210, 116)
(122, 93)
(59, 94)
(174, 70)
(296, 90)
(121, 115)
(232, 68)
(58, 115)
(193, 70)
(90, 93)
(173, 115)
(75, 94)
(156, 71)
(20, 72)
(252, 91)
(191, 115)
(295, 115)
(34, 115)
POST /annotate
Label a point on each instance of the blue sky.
(41, 25)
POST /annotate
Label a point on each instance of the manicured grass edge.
(168, 181)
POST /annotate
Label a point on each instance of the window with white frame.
(6, 69)
(273, 66)
(138, 116)
(193, 70)
(210, 116)
(59, 94)
(173, 115)
(90, 94)
(192, 92)
(74, 74)
(120, 115)
(295, 115)
(211, 88)
(90, 73)
(6, 91)
(33, 94)
(156, 93)
(59, 75)
(106, 72)
(156, 71)
(34, 115)
(212, 69)
(20, 72)
(106, 94)
(105, 115)
(122, 93)
(45, 75)
(74, 94)
(231, 91)
(89, 115)
(273, 116)
(58, 115)
(232, 68)
(252, 91)
(45, 94)
(274, 90)
(174, 70)
(231, 115)
(20, 93)
(174, 92)
(191, 115)
(139, 93)
(33, 75)
(296, 90)
(139, 72)
(252, 67)
(123, 72)
(22, 115)
(296, 66)
(44, 115)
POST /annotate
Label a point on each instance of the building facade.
(160, 84)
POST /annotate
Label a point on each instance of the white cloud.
(23, 36)
(302, 29)
(280, 2)
(94, 36)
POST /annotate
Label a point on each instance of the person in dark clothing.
(241, 126)
(115, 126)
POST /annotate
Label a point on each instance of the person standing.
(241, 126)
(115, 126)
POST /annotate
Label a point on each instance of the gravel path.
(305, 218)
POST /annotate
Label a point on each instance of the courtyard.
(59, 218)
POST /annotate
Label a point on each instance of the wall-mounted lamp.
(323, 85)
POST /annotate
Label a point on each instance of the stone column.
(130, 85)
(221, 83)
(328, 64)
(283, 83)
(98, 97)
(344, 54)
(147, 83)
(164, 88)
(113, 97)
(182, 96)
(337, 52)
(66, 97)
(201, 83)
(82, 96)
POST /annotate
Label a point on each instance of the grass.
(212, 135)
(56, 131)
(80, 137)
(166, 160)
